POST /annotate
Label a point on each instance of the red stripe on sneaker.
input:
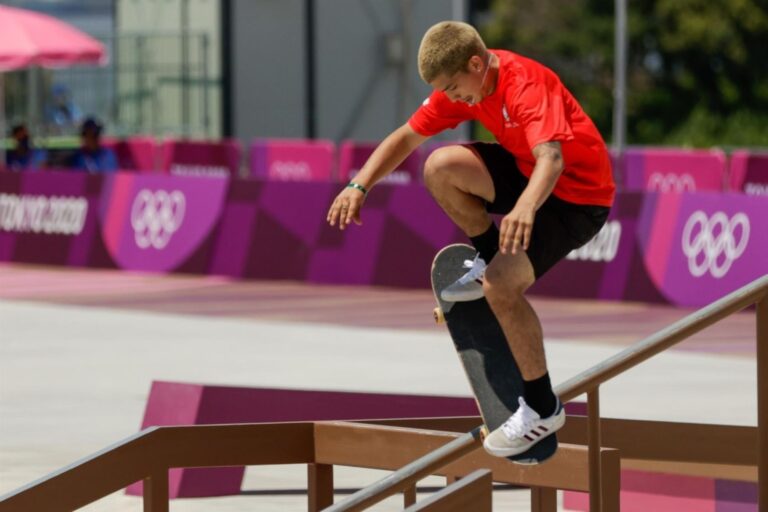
(534, 432)
(545, 429)
(528, 438)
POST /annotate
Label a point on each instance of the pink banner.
(135, 153)
(749, 172)
(201, 158)
(292, 160)
(353, 155)
(674, 170)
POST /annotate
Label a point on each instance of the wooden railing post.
(156, 491)
(610, 480)
(762, 404)
(543, 499)
(409, 496)
(593, 418)
(319, 486)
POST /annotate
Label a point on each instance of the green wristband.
(359, 187)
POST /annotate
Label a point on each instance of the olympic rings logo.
(660, 182)
(712, 244)
(156, 216)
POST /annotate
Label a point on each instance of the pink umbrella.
(28, 38)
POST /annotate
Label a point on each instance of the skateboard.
(485, 355)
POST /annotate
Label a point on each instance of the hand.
(516, 227)
(346, 208)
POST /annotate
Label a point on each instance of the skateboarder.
(549, 175)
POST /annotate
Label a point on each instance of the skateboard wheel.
(438, 315)
(483, 433)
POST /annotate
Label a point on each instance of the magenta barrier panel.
(292, 160)
(174, 403)
(674, 170)
(155, 222)
(201, 158)
(643, 491)
(698, 247)
(135, 153)
(353, 155)
(749, 172)
(51, 218)
(686, 249)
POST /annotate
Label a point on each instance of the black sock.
(539, 396)
(487, 244)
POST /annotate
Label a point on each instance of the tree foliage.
(697, 69)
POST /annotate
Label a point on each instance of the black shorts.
(559, 226)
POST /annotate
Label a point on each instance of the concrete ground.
(74, 374)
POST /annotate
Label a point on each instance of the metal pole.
(620, 82)
(185, 67)
(762, 403)
(206, 109)
(311, 79)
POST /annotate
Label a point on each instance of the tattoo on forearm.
(549, 149)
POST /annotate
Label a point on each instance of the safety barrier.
(148, 455)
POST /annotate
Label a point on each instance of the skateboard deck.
(480, 343)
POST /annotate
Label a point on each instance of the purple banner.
(674, 170)
(292, 160)
(687, 249)
(50, 218)
(156, 222)
(700, 247)
(749, 172)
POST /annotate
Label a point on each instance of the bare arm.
(385, 159)
(388, 155)
(516, 226)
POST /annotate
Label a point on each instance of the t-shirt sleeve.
(541, 113)
(437, 113)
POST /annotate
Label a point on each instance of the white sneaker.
(469, 286)
(522, 430)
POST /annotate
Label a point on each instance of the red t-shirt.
(530, 105)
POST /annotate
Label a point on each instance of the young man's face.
(466, 86)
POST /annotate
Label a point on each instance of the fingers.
(344, 210)
(514, 235)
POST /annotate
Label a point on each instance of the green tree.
(697, 69)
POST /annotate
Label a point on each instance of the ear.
(476, 64)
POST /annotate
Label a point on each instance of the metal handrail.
(663, 339)
(589, 381)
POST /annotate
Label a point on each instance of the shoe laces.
(476, 269)
(520, 422)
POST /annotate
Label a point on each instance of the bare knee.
(505, 287)
(437, 168)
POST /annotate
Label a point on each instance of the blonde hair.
(446, 49)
